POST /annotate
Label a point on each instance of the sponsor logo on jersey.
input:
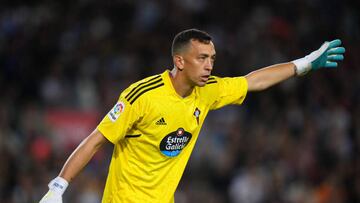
(172, 144)
(116, 111)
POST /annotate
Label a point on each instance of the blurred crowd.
(64, 63)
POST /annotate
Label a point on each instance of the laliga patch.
(116, 111)
(172, 144)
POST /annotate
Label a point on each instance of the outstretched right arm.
(75, 163)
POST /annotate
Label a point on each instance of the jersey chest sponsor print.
(172, 144)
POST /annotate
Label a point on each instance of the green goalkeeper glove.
(57, 188)
(325, 57)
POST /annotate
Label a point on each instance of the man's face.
(198, 61)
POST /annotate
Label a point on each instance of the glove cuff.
(58, 185)
(302, 66)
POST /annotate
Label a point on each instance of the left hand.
(325, 57)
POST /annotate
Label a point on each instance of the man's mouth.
(205, 77)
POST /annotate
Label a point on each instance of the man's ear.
(178, 62)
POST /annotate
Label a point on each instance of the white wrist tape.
(302, 66)
(58, 185)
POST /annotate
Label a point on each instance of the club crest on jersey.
(172, 144)
(197, 114)
(116, 111)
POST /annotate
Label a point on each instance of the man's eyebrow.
(207, 55)
(202, 54)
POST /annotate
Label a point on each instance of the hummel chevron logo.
(161, 122)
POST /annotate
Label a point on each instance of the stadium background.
(64, 63)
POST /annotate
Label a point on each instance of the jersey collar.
(168, 84)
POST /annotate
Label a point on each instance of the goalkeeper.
(156, 121)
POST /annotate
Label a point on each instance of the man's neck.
(181, 86)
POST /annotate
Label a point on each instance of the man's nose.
(209, 64)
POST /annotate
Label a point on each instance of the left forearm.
(266, 77)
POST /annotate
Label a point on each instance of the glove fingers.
(337, 50)
(337, 57)
(330, 64)
(335, 43)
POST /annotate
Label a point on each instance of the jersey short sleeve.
(119, 120)
(231, 90)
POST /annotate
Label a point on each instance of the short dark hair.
(184, 37)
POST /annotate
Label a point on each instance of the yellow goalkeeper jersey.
(154, 131)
